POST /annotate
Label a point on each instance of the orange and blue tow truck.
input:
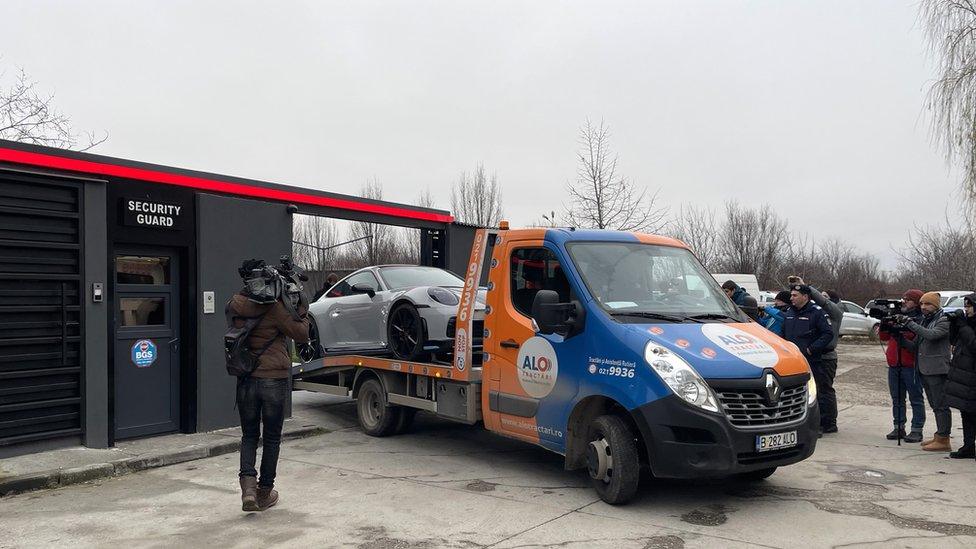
(616, 350)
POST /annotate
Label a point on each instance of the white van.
(747, 281)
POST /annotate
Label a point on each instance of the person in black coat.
(960, 389)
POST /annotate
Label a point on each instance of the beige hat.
(932, 298)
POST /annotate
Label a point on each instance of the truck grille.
(750, 408)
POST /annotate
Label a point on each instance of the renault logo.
(772, 389)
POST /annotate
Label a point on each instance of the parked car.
(955, 303)
(947, 295)
(856, 320)
(403, 310)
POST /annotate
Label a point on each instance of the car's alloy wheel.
(405, 332)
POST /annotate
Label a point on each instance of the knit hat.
(932, 298)
(783, 296)
(913, 295)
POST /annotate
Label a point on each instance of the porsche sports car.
(404, 310)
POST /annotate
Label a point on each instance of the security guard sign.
(144, 353)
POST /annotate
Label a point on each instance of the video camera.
(885, 310)
(265, 283)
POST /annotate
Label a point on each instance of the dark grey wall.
(229, 230)
(96, 418)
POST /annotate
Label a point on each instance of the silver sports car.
(405, 310)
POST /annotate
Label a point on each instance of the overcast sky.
(815, 107)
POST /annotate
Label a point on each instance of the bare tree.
(378, 241)
(696, 227)
(28, 116)
(426, 200)
(950, 27)
(476, 199)
(938, 257)
(753, 241)
(603, 199)
(316, 239)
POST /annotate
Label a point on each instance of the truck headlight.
(680, 377)
(811, 392)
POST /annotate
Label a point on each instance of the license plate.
(765, 443)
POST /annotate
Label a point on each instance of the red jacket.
(907, 357)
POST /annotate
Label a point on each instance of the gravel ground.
(862, 374)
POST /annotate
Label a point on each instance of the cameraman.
(961, 385)
(261, 396)
(931, 346)
(902, 377)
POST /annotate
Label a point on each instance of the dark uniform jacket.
(809, 328)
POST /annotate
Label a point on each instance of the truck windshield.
(632, 280)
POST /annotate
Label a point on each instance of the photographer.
(931, 346)
(902, 375)
(961, 384)
(262, 394)
(808, 327)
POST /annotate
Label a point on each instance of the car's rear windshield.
(411, 277)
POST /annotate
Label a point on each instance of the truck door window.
(534, 269)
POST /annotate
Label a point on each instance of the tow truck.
(616, 350)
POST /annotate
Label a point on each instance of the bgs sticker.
(144, 353)
(742, 345)
(537, 367)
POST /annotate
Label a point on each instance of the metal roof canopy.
(309, 201)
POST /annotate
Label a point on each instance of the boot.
(913, 437)
(267, 497)
(964, 452)
(249, 496)
(941, 444)
(929, 441)
(895, 434)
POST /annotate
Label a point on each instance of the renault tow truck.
(616, 350)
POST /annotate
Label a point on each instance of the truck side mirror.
(363, 288)
(552, 317)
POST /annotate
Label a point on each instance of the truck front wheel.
(376, 417)
(612, 459)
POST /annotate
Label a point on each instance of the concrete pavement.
(446, 485)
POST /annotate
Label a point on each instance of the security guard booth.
(113, 279)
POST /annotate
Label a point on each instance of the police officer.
(809, 328)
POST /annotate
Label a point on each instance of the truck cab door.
(522, 367)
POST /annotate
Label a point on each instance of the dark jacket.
(836, 314)
(931, 343)
(277, 324)
(739, 296)
(960, 389)
(897, 342)
(809, 329)
(773, 321)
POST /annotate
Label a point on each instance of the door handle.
(335, 312)
(510, 344)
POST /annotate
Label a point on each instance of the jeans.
(824, 371)
(908, 383)
(935, 391)
(261, 401)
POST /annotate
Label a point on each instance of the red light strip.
(239, 189)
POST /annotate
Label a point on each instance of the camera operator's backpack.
(241, 359)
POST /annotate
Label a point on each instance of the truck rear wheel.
(376, 417)
(612, 459)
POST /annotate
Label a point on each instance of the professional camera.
(265, 283)
(886, 310)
